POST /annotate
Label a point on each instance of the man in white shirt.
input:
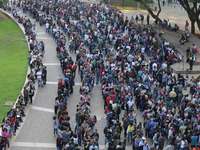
(47, 27)
(39, 78)
(130, 103)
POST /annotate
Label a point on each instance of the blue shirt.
(194, 140)
(165, 78)
(152, 125)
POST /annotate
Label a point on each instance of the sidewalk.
(37, 131)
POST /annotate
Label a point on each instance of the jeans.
(177, 147)
(29, 60)
(47, 30)
(185, 86)
(59, 148)
(55, 131)
(39, 82)
(106, 140)
(97, 79)
(130, 134)
(123, 113)
(79, 139)
(8, 143)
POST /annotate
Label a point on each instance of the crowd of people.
(133, 70)
(37, 71)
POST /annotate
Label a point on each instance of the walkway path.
(37, 130)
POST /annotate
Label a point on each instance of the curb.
(28, 70)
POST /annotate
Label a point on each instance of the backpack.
(144, 114)
(118, 110)
(105, 130)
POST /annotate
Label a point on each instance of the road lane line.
(51, 64)
(42, 109)
(32, 144)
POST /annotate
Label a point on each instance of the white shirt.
(47, 25)
(130, 103)
(39, 74)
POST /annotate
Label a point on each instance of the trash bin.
(155, 8)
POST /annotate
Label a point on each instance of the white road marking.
(99, 118)
(32, 144)
(49, 82)
(44, 38)
(102, 147)
(41, 33)
(51, 64)
(42, 109)
(76, 83)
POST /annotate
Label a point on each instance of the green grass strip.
(13, 63)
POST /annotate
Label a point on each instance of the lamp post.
(138, 8)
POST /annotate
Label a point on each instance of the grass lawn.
(13, 63)
(128, 4)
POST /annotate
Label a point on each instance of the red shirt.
(12, 122)
(101, 71)
(106, 111)
(108, 100)
(123, 96)
(74, 67)
(60, 83)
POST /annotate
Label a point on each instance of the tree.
(145, 3)
(193, 12)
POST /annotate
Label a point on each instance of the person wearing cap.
(141, 144)
(145, 146)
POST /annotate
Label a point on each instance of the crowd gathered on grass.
(132, 68)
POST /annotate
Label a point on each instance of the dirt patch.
(198, 35)
(126, 7)
(3, 16)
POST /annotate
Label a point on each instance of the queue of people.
(37, 71)
(134, 73)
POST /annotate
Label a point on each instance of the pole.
(138, 8)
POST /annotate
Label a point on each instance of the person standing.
(55, 126)
(47, 27)
(39, 78)
(56, 106)
(26, 95)
(130, 132)
(74, 69)
(124, 108)
(186, 25)
(59, 143)
(142, 19)
(191, 61)
(29, 58)
(148, 17)
(31, 92)
(188, 53)
(126, 123)
(168, 25)
(44, 75)
(136, 18)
